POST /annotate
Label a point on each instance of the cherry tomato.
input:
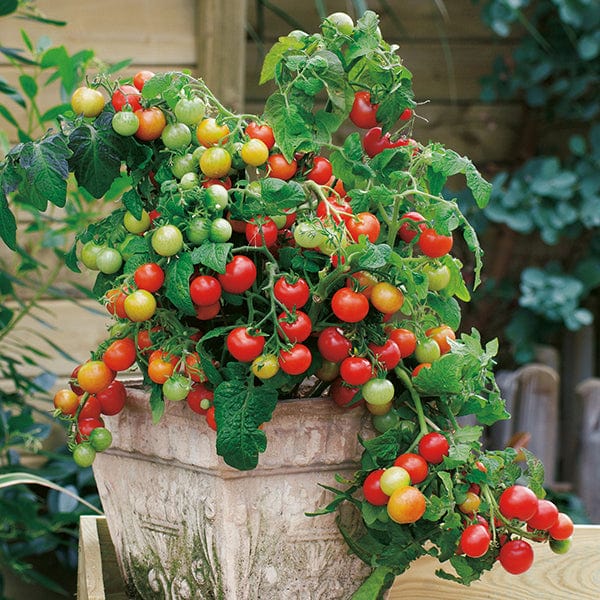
(308, 235)
(372, 489)
(393, 478)
(406, 505)
(140, 305)
(67, 401)
(518, 502)
(120, 355)
(419, 368)
(388, 354)
(205, 313)
(405, 339)
(125, 123)
(205, 290)
(321, 171)
(328, 371)
(200, 398)
(356, 370)
(333, 345)
(240, 274)
(375, 141)
(93, 376)
(261, 132)
(349, 306)
(176, 388)
(280, 168)
(215, 162)
(291, 295)
(364, 223)
(386, 298)
(100, 439)
(427, 351)
(414, 222)
(193, 367)
(415, 465)
(152, 122)
(262, 231)
(334, 209)
(115, 303)
(475, 540)
(296, 327)
(563, 528)
(343, 395)
(126, 95)
(209, 132)
(440, 335)
(516, 556)
(160, 368)
(296, 360)
(265, 366)
(438, 277)
(198, 230)
(210, 418)
(109, 260)
(433, 244)
(167, 240)
(342, 22)
(149, 277)
(364, 114)
(254, 153)
(176, 136)
(87, 102)
(189, 110)
(243, 346)
(378, 391)
(545, 516)
(220, 230)
(470, 504)
(84, 455)
(112, 398)
(140, 78)
(433, 447)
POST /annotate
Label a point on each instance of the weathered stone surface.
(185, 525)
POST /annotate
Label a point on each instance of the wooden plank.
(574, 576)
(413, 18)
(587, 469)
(114, 587)
(147, 32)
(90, 585)
(221, 48)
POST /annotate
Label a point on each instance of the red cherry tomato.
(321, 171)
(409, 229)
(120, 355)
(333, 344)
(205, 290)
(113, 398)
(518, 502)
(261, 132)
(415, 465)
(433, 244)
(364, 223)
(291, 295)
(239, 275)
(296, 360)
(261, 232)
(516, 556)
(243, 346)
(349, 306)
(372, 489)
(405, 339)
(280, 168)
(126, 95)
(343, 395)
(433, 447)
(356, 370)
(296, 328)
(363, 114)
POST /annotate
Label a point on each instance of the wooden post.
(221, 48)
(588, 463)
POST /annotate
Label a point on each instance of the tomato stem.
(406, 380)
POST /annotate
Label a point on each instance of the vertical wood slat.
(532, 395)
(221, 48)
(588, 463)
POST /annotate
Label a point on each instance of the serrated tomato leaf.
(177, 283)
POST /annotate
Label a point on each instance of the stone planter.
(185, 525)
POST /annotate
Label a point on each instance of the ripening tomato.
(120, 355)
(349, 306)
(254, 153)
(280, 168)
(67, 401)
(440, 335)
(94, 376)
(152, 122)
(405, 339)
(140, 305)
(243, 346)
(160, 368)
(215, 162)
(87, 102)
(386, 298)
(193, 368)
(406, 505)
(209, 132)
(265, 366)
(364, 280)
(140, 78)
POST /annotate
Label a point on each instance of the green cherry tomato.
(176, 388)
(217, 197)
(84, 454)
(176, 136)
(438, 277)
(307, 235)
(378, 391)
(87, 102)
(198, 230)
(279, 220)
(134, 225)
(189, 111)
(220, 230)
(125, 123)
(342, 22)
(167, 240)
(185, 163)
(100, 439)
(189, 181)
(386, 421)
(109, 260)
(560, 546)
(394, 478)
(89, 255)
(427, 351)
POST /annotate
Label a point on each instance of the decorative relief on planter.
(187, 526)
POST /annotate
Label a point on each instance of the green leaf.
(133, 203)
(8, 6)
(8, 224)
(239, 411)
(29, 85)
(157, 402)
(374, 256)
(281, 195)
(11, 92)
(443, 377)
(535, 473)
(284, 46)
(448, 309)
(393, 104)
(97, 155)
(46, 171)
(212, 255)
(177, 283)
